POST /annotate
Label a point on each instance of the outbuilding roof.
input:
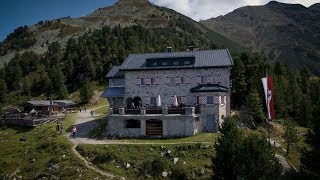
(52, 102)
(113, 92)
(207, 58)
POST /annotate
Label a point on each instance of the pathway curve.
(89, 165)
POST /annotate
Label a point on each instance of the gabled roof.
(209, 88)
(208, 58)
(115, 72)
(52, 102)
(113, 92)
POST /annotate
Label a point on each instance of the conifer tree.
(290, 135)
(86, 91)
(225, 162)
(3, 91)
(238, 82)
(254, 106)
(305, 111)
(258, 159)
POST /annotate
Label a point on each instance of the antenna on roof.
(169, 49)
(191, 48)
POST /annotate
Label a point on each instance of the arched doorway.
(154, 127)
(129, 103)
(137, 102)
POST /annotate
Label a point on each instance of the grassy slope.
(222, 41)
(31, 159)
(113, 158)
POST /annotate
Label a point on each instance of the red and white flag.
(269, 95)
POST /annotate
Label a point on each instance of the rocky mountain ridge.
(289, 33)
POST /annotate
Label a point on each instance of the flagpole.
(268, 120)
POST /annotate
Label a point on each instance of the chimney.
(191, 48)
(169, 49)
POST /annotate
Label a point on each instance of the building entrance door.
(154, 128)
(210, 126)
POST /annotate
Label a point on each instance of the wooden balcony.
(156, 111)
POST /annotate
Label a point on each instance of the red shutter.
(216, 99)
(138, 81)
(188, 79)
(178, 80)
(168, 80)
(147, 100)
(204, 99)
(148, 81)
(209, 79)
(184, 100)
(219, 79)
(199, 80)
(172, 100)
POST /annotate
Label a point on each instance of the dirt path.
(89, 165)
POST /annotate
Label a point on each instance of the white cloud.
(205, 9)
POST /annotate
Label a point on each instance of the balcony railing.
(156, 110)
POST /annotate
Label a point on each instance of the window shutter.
(147, 100)
(138, 81)
(220, 99)
(178, 80)
(204, 99)
(157, 81)
(216, 99)
(209, 79)
(183, 100)
(148, 81)
(188, 79)
(168, 80)
(225, 99)
(219, 79)
(199, 80)
(194, 100)
(172, 100)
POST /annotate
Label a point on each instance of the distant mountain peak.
(315, 7)
(132, 1)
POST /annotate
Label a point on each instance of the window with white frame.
(142, 81)
(153, 81)
(209, 99)
(203, 79)
(153, 101)
(172, 80)
(183, 80)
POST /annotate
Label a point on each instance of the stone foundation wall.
(173, 125)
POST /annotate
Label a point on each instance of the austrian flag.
(269, 95)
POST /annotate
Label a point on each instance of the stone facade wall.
(173, 125)
(133, 89)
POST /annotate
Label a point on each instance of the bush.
(179, 173)
(154, 168)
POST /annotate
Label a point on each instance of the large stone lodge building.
(169, 94)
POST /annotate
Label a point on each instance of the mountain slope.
(124, 13)
(286, 32)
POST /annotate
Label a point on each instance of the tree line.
(84, 60)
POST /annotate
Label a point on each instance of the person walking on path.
(58, 127)
(61, 128)
(74, 131)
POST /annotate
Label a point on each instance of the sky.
(205, 9)
(15, 13)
